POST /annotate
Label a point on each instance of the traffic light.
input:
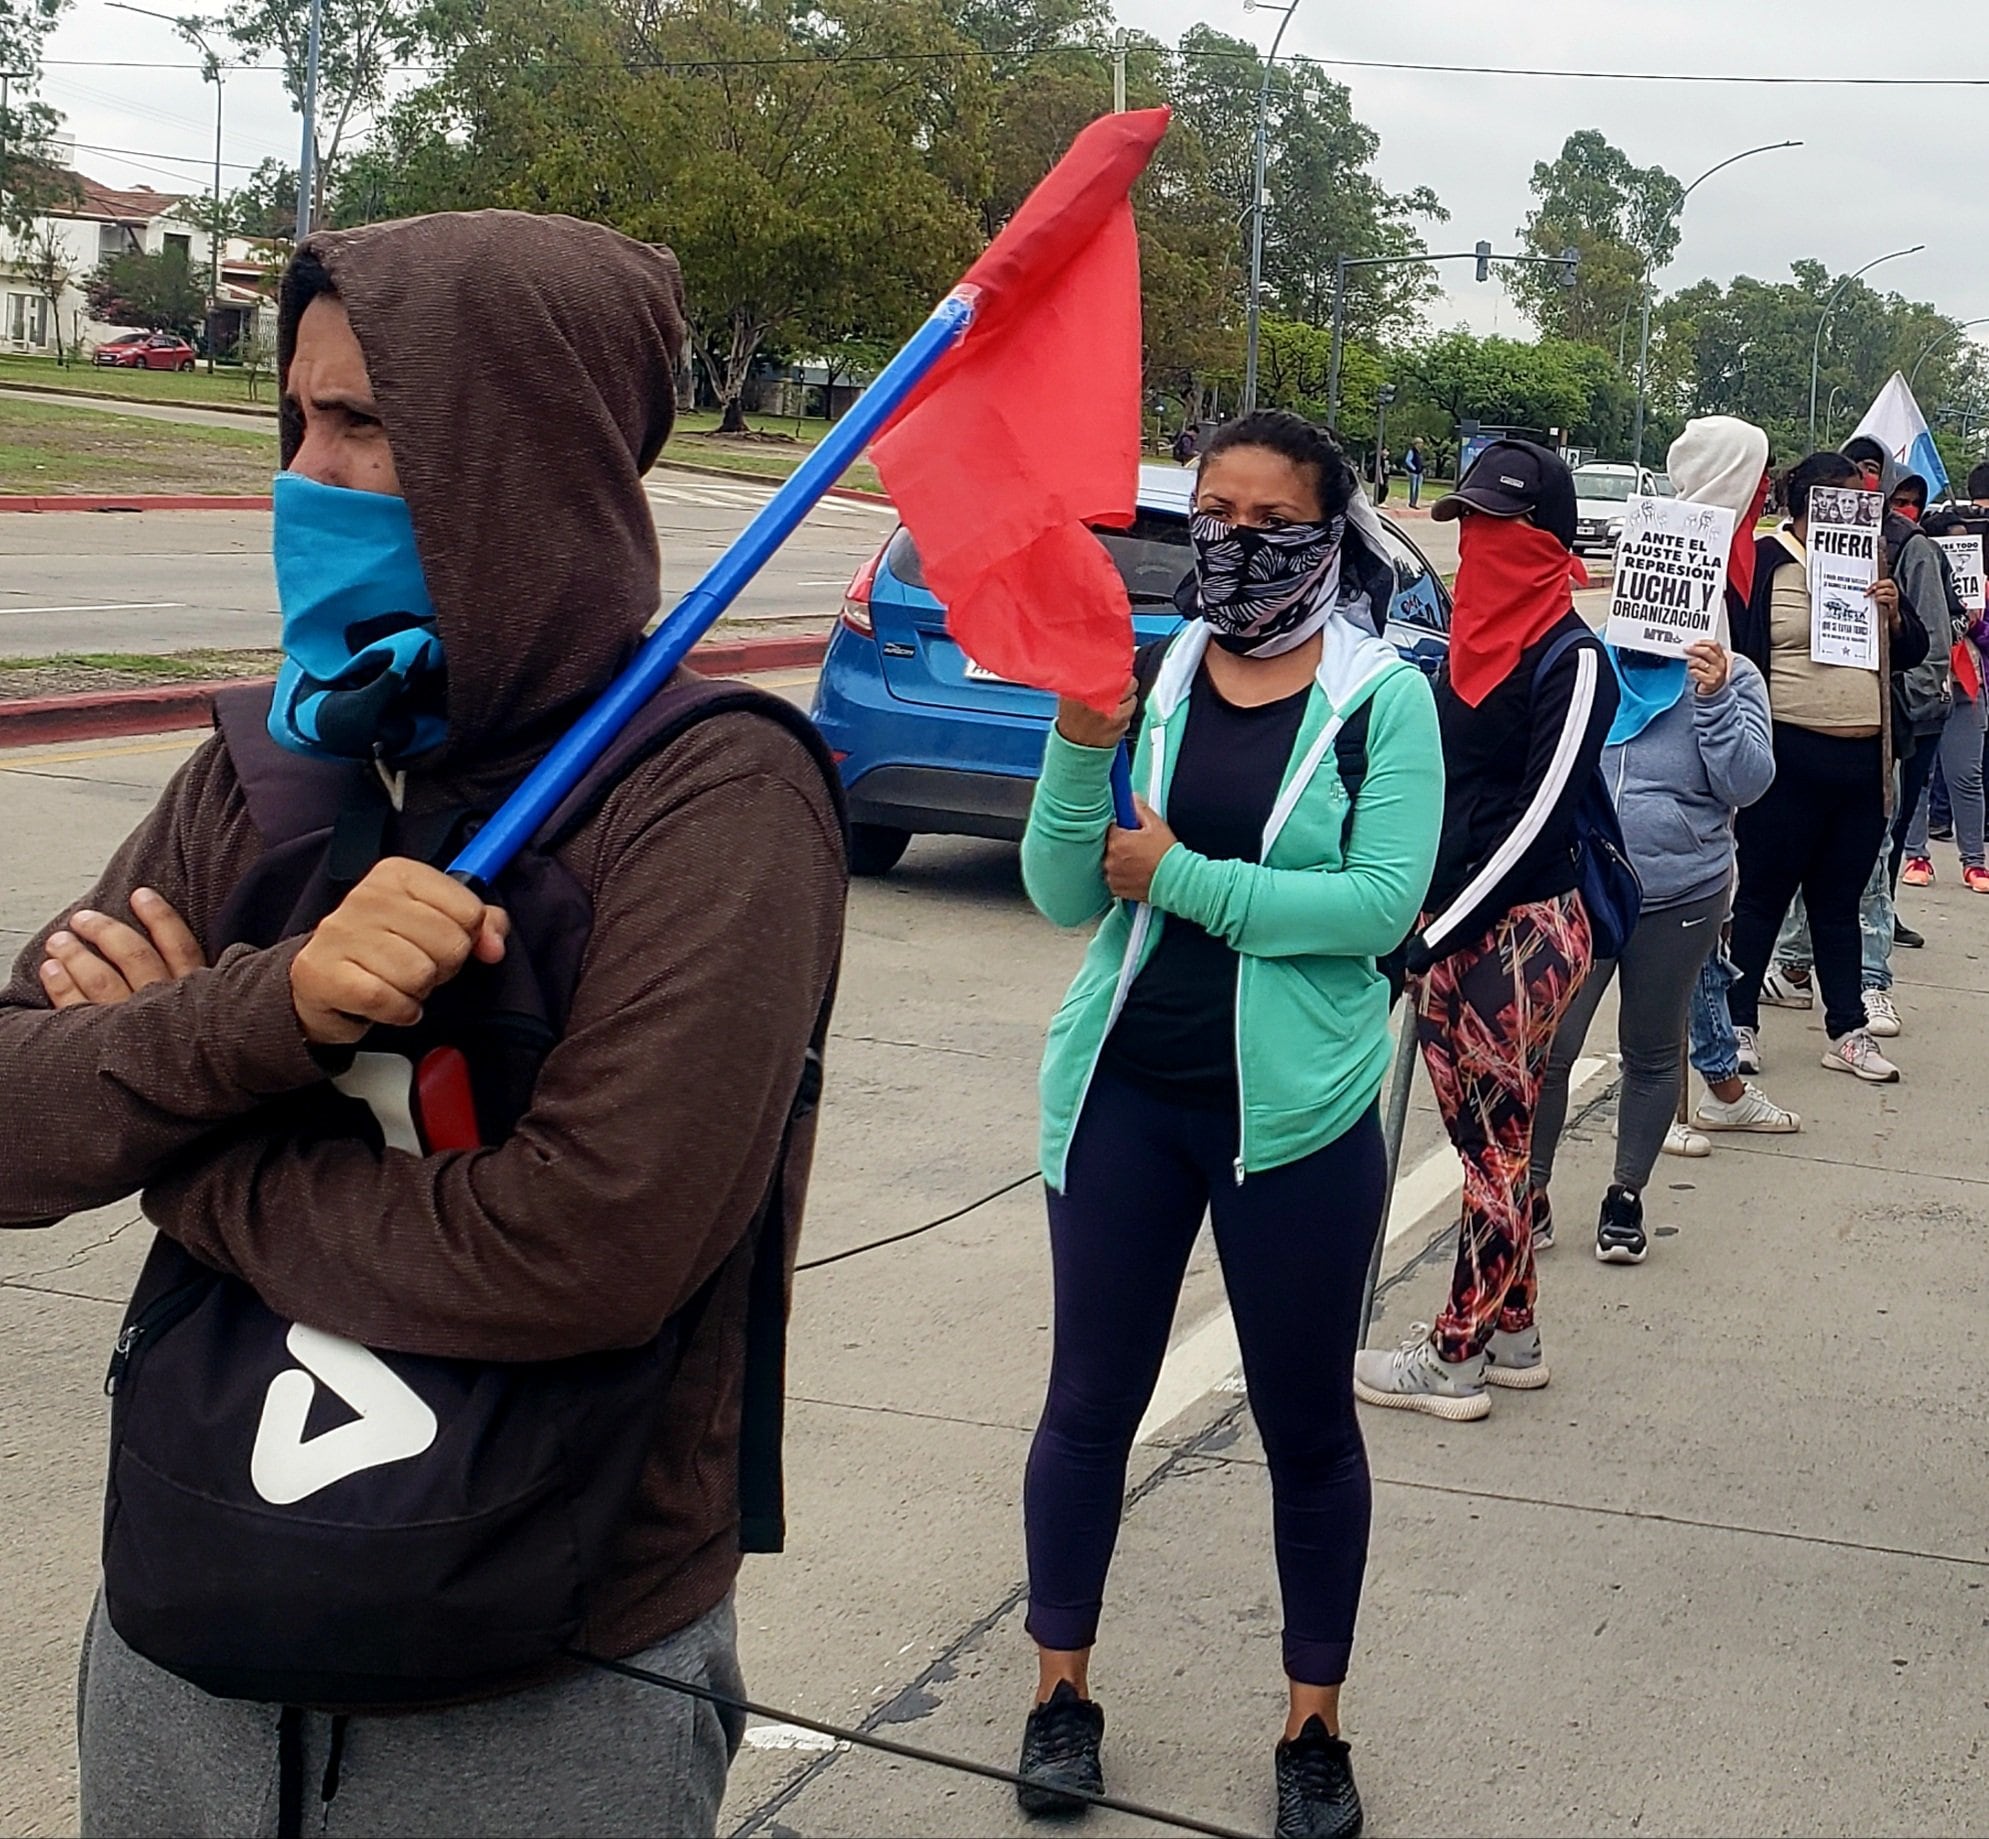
(1387, 394)
(1484, 261)
(1570, 261)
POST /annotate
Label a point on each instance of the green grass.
(77, 672)
(193, 386)
(46, 448)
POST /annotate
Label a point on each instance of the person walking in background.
(1956, 751)
(1690, 745)
(1526, 699)
(1822, 823)
(1412, 469)
(1222, 1052)
(1384, 470)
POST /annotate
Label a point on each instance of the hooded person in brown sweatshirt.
(511, 378)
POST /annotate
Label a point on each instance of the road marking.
(1209, 1360)
(106, 606)
(789, 1737)
(25, 762)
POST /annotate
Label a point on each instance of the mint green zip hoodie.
(1311, 1009)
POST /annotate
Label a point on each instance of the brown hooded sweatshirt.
(524, 368)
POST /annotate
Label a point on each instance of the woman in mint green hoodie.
(1221, 1052)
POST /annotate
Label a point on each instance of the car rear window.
(1151, 556)
(1616, 486)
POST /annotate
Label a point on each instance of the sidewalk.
(1729, 1574)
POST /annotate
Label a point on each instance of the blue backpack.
(1605, 877)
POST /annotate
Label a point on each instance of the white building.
(96, 223)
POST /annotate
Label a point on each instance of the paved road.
(175, 581)
(1727, 1575)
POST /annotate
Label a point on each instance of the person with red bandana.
(1505, 943)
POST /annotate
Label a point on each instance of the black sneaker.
(1619, 1233)
(1543, 1221)
(1903, 934)
(1060, 1750)
(1317, 1798)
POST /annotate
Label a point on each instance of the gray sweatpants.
(1660, 966)
(591, 1753)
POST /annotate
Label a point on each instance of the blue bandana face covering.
(362, 662)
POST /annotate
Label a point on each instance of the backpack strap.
(1350, 756)
(290, 795)
(680, 705)
(1147, 661)
(1556, 652)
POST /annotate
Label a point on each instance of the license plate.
(979, 673)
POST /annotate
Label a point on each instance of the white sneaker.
(1749, 1057)
(1881, 1018)
(1683, 1140)
(1752, 1110)
(1416, 1378)
(1515, 1360)
(1857, 1054)
(1781, 990)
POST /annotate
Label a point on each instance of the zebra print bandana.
(1264, 591)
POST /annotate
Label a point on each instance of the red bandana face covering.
(1512, 585)
(1740, 559)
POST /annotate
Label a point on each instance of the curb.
(137, 501)
(95, 715)
(59, 391)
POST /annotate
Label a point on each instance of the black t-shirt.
(1177, 1032)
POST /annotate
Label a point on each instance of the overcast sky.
(1473, 139)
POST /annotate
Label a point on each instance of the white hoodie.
(1719, 459)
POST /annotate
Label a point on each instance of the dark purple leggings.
(1294, 1244)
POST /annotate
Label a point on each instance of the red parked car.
(145, 351)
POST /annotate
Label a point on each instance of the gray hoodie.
(1678, 783)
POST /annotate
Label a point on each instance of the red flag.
(1030, 430)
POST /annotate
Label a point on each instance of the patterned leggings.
(1485, 1019)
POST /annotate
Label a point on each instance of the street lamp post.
(1829, 306)
(1644, 330)
(1259, 158)
(1935, 343)
(1830, 409)
(210, 72)
(307, 158)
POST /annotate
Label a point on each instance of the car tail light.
(856, 598)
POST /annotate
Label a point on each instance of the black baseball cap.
(1517, 479)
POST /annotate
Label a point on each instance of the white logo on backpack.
(393, 1422)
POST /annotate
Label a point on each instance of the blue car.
(932, 744)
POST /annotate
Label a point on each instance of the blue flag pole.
(1123, 813)
(486, 854)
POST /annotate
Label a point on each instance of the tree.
(1620, 216)
(790, 161)
(1324, 202)
(29, 180)
(266, 207)
(159, 292)
(43, 262)
(360, 41)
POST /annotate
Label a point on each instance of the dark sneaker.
(1543, 1221)
(1619, 1233)
(1060, 1750)
(1903, 934)
(1317, 1798)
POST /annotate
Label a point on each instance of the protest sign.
(1964, 555)
(1843, 563)
(1671, 571)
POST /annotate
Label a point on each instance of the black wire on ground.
(898, 1238)
(961, 1765)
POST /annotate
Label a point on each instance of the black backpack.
(444, 1532)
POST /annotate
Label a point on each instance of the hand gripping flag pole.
(487, 853)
